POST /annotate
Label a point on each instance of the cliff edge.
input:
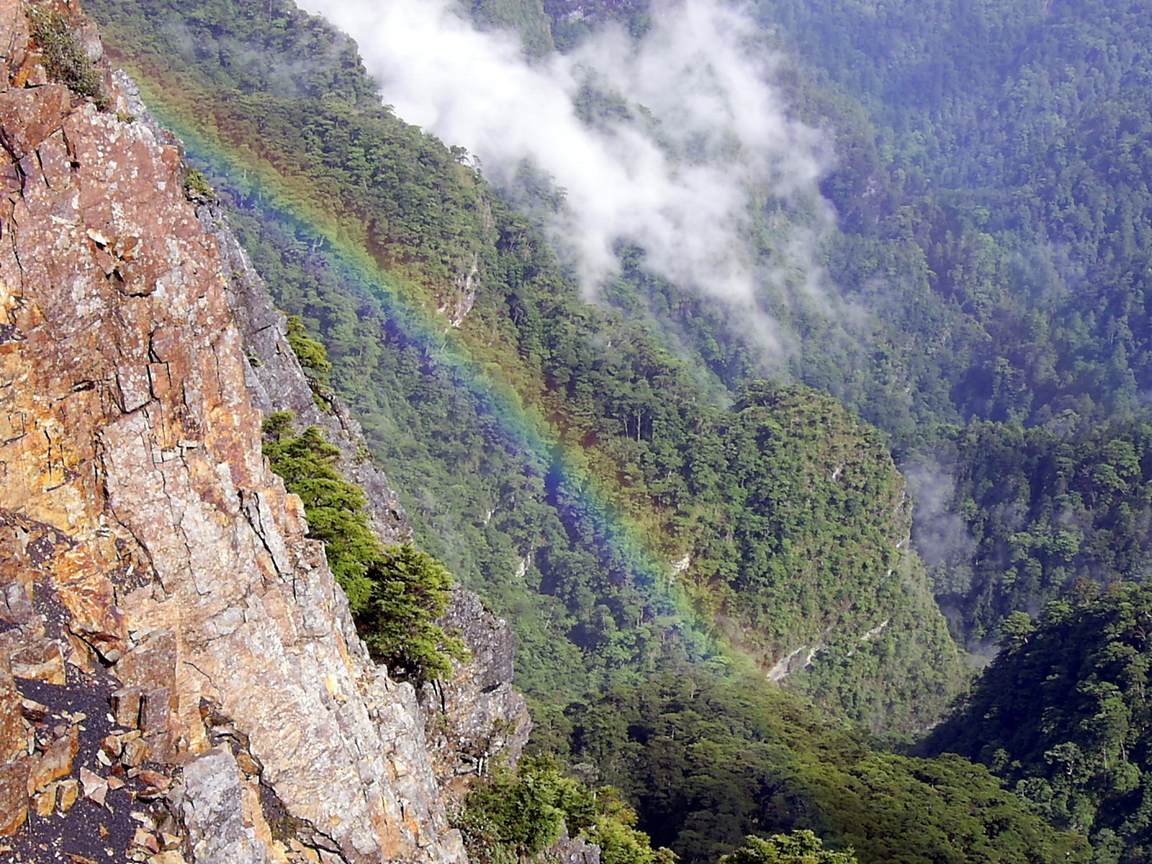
(180, 679)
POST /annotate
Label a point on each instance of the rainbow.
(591, 513)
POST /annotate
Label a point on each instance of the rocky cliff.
(180, 679)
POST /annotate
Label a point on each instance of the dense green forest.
(1037, 509)
(993, 208)
(628, 465)
(709, 762)
(662, 527)
(1063, 715)
(1002, 146)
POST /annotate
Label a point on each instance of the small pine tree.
(335, 507)
(410, 590)
(312, 354)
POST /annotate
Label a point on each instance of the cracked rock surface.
(180, 679)
(476, 714)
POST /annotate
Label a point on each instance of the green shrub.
(799, 847)
(395, 592)
(335, 507)
(515, 816)
(63, 56)
(197, 187)
(313, 356)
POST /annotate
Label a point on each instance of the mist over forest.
(832, 322)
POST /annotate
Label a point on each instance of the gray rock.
(211, 806)
(476, 714)
(276, 381)
(571, 850)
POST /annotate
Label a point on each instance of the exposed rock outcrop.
(476, 714)
(180, 679)
(571, 850)
(276, 381)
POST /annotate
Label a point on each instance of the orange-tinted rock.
(155, 711)
(13, 39)
(27, 117)
(146, 839)
(139, 451)
(13, 796)
(41, 661)
(152, 663)
(111, 746)
(45, 802)
(55, 762)
(126, 706)
(66, 795)
(154, 779)
(95, 787)
(134, 752)
(33, 710)
(13, 727)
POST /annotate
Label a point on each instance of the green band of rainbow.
(589, 515)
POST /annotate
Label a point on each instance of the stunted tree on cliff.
(396, 592)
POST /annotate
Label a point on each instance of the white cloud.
(677, 183)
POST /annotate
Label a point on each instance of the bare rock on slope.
(159, 598)
(476, 714)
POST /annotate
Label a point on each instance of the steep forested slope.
(994, 206)
(992, 203)
(559, 458)
(1063, 716)
(1034, 510)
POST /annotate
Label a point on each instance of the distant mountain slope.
(1028, 512)
(557, 457)
(711, 763)
(1063, 715)
(1012, 135)
(994, 206)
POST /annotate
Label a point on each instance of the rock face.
(476, 714)
(180, 679)
(277, 383)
